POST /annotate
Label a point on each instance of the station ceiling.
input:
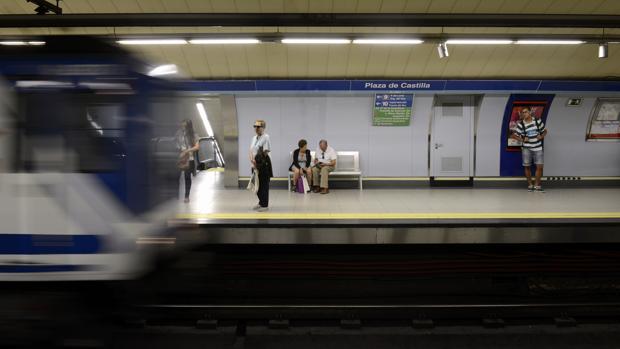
(275, 60)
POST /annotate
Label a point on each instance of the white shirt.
(326, 156)
(260, 141)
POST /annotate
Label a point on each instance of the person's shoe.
(186, 200)
(324, 190)
(530, 188)
(262, 209)
(539, 189)
(255, 208)
(315, 189)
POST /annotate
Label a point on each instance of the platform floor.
(210, 200)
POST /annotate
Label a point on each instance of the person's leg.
(528, 175)
(315, 179)
(539, 172)
(526, 157)
(309, 175)
(324, 178)
(263, 190)
(188, 184)
(539, 161)
(296, 173)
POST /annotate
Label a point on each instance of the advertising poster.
(392, 109)
(605, 121)
(537, 108)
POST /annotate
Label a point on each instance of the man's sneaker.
(262, 209)
(530, 188)
(256, 207)
(539, 189)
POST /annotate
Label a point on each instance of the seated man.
(324, 163)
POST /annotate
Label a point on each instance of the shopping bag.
(299, 186)
(253, 183)
(305, 184)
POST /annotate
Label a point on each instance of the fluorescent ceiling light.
(549, 42)
(479, 42)
(43, 84)
(205, 119)
(13, 43)
(224, 41)
(166, 69)
(388, 41)
(153, 42)
(21, 43)
(316, 41)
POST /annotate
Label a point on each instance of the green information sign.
(392, 109)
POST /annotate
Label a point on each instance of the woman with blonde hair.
(261, 162)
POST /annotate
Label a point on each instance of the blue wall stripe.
(49, 244)
(492, 85)
(303, 85)
(398, 85)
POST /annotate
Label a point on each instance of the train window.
(82, 136)
(106, 119)
(605, 120)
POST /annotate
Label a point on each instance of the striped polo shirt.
(531, 130)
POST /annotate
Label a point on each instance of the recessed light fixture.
(316, 41)
(153, 42)
(223, 41)
(479, 42)
(549, 42)
(388, 41)
(603, 50)
(442, 50)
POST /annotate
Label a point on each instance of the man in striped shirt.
(531, 132)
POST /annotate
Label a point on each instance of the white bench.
(347, 165)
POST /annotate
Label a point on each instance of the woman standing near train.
(187, 144)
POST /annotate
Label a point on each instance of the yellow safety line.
(396, 216)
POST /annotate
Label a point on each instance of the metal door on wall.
(452, 137)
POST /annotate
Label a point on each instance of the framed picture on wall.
(537, 109)
(605, 120)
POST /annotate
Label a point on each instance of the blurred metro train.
(80, 177)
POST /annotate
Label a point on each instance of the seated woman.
(301, 162)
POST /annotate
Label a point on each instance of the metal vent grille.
(452, 110)
(452, 164)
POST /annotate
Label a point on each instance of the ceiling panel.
(326, 6)
(274, 60)
(337, 60)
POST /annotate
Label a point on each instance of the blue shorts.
(528, 155)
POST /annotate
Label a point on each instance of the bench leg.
(289, 181)
(360, 179)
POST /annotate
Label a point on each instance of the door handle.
(437, 145)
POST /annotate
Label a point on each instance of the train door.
(452, 137)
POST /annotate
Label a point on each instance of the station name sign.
(395, 85)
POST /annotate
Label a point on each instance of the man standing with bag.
(531, 132)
